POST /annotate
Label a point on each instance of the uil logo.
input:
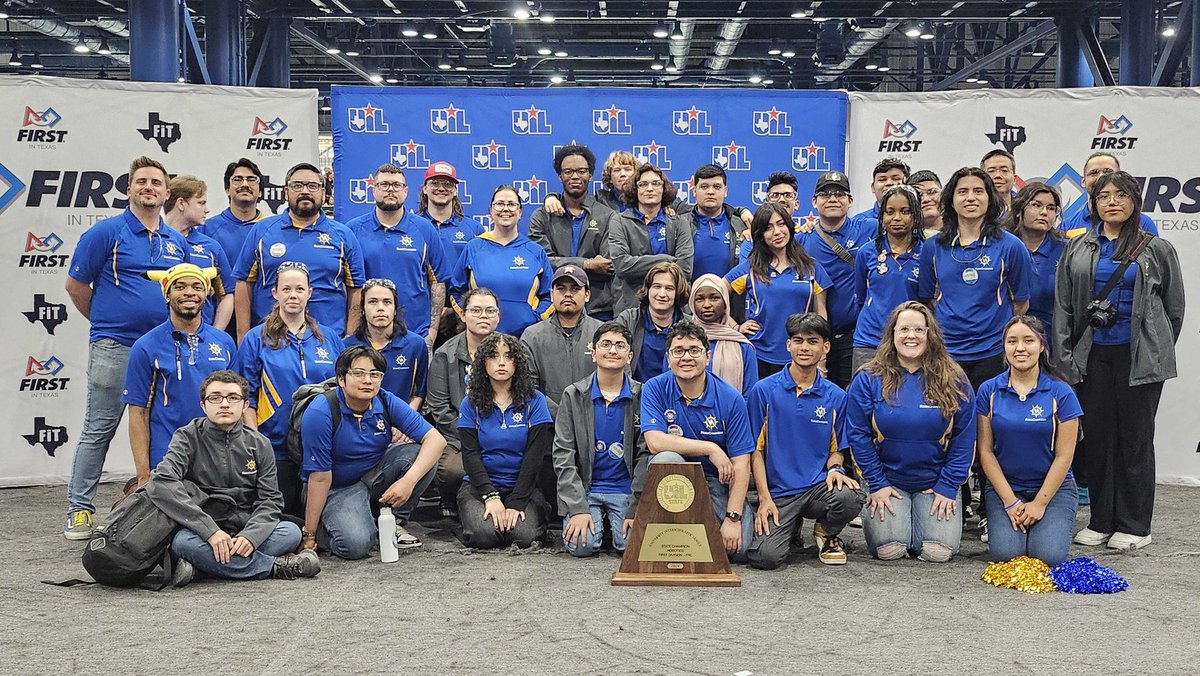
(367, 120)
(532, 121)
(490, 155)
(809, 158)
(690, 122)
(449, 120)
(773, 122)
(731, 157)
(409, 155)
(611, 120)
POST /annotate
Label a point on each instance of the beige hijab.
(727, 354)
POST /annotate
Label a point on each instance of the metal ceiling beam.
(317, 43)
(1177, 45)
(866, 40)
(1030, 36)
(1094, 53)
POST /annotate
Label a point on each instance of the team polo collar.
(1043, 382)
(625, 395)
(399, 226)
(373, 409)
(137, 227)
(788, 383)
(319, 225)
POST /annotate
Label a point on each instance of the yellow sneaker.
(78, 525)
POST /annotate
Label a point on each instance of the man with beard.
(107, 284)
(406, 249)
(302, 234)
(243, 186)
(440, 204)
(560, 345)
(168, 364)
(578, 236)
(186, 207)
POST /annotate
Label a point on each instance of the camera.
(1101, 313)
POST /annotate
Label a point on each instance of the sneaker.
(405, 539)
(1128, 542)
(983, 534)
(856, 522)
(1085, 498)
(185, 572)
(292, 566)
(449, 510)
(819, 536)
(1091, 538)
(833, 552)
(78, 525)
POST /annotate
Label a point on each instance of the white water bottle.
(387, 536)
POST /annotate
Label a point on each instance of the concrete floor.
(447, 610)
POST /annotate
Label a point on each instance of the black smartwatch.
(733, 516)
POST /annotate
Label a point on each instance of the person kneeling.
(506, 430)
(220, 456)
(799, 419)
(351, 462)
(597, 446)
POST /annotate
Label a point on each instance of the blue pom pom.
(1082, 575)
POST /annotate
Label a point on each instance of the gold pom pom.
(1022, 573)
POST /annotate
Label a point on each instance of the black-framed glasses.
(575, 172)
(389, 186)
(832, 194)
(234, 398)
(694, 351)
(781, 196)
(614, 345)
(248, 180)
(311, 186)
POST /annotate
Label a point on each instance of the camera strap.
(1113, 281)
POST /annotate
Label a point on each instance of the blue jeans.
(612, 504)
(348, 527)
(107, 360)
(719, 493)
(1048, 539)
(196, 550)
(913, 529)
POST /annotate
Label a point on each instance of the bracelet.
(494, 495)
(1014, 504)
(304, 533)
(838, 468)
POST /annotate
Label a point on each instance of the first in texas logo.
(41, 375)
(898, 137)
(1112, 133)
(38, 127)
(268, 135)
(51, 437)
(162, 132)
(40, 252)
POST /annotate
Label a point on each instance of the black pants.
(839, 363)
(1078, 464)
(766, 368)
(978, 372)
(288, 474)
(1118, 424)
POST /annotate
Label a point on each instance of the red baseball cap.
(441, 169)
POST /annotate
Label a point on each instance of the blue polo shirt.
(797, 430)
(361, 439)
(900, 443)
(882, 281)
(166, 368)
(407, 360)
(1024, 426)
(610, 474)
(455, 232)
(113, 256)
(719, 415)
(230, 231)
(656, 228)
(771, 303)
(652, 360)
(275, 373)
(974, 288)
(410, 254)
(327, 247)
(1120, 332)
(519, 272)
(868, 219)
(503, 435)
(840, 303)
(578, 225)
(1081, 221)
(208, 253)
(1041, 284)
(711, 243)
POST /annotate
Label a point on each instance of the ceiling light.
(1038, 49)
(14, 59)
(775, 48)
(1168, 32)
(661, 30)
(545, 18)
(471, 25)
(409, 30)
(657, 63)
(325, 107)
(883, 67)
(768, 81)
(676, 33)
(332, 49)
(912, 30)
(561, 52)
(81, 48)
(756, 78)
(182, 79)
(800, 14)
(545, 50)
(556, 79)
(443, 62)
(391, 80)
(927, 32)
(972, 79)
(671, 67)
(429, 31)
(104, 48)
(376, 78)
(820, 19)
(871, 65)
(788, 52)
(352, 52)
(460, 64)
(521, 11)
(3, 15)
(35, 61)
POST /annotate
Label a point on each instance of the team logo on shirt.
(669, 414)
(367, 120)
(771, 122)
(599, 446)
(449, 120)
(490, 155)
(518, 263)
(820, 411)
(460, 235)
(277, 249)
(531, 121)
(611, 121)
(409, 155)
(406, 241)
(809, 158)
(1037, 414)
(401, 360)
(198, 249)
(690, 122)
(171, 249)
(617, 449)
(710, 421)
(985, 260)
(380, 425)
(517, 417)
(731, 157)
(251, 466)
(39, 127)
(324, 238)
(322, 353)
(215, 349)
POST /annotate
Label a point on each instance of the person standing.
(716, 227)
(560, 346)
(441, 205)
(1001, 167)
(108, 286)
(645, 235)
(1119, 304)
(929, 189)
(1081, 221)
(731, 355)
(243, 186)
(381, 327)
(1034, 218)
(186, 207)
(888, 172)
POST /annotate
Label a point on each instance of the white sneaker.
(983, 531)
(1091, 538)
(1128, 542)
(405, 539)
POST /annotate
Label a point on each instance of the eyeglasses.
(380, 281)
(441, 183)
(311, 186)
(248, 180)
(1099, 172)
(831, 194)
(575, 172)
(781, 196)
(388, 186)
(476, 311)
(365, 374)
(931, 192)
(649, 184)
(694, 351)
(1115, 197)
(614, 345)
(1050, 208)
(912, 330)
(509, 206)
(218, 398)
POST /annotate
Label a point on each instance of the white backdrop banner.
(64, 162)
(1051, 133)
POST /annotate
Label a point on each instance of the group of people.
(858, 368)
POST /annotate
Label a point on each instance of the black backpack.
(301, 399)
(133, 543)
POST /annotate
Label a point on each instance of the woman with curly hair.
(912, 432)
(506, 432)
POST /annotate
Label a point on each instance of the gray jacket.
(574, 451)
(238, 464)
(554, 235)
(1157, 309)
(629, 249)
(560, 358)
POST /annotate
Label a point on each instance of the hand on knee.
(935, 552)
(891, 551)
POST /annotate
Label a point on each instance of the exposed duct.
(727, 39)
(867, 38)
(67, 33)
(679, 49)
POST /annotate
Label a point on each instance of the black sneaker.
(292, 566)
(833, 553)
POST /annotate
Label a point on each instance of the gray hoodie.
(561, 358)
(239, 464)
(447, 385)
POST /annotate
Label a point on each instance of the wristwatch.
(307, 533)
(733, 516)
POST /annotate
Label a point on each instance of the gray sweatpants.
(832, 509)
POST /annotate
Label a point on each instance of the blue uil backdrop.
(495, 136)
